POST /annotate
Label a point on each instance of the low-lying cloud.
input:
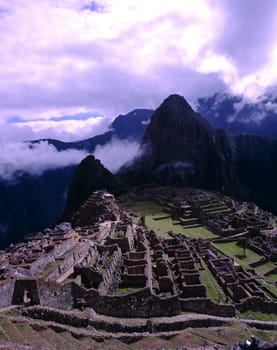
(19, 158)
(64, 130)
(117, 153)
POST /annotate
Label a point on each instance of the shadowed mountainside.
(240, 116)
(181, 148)
(89, 176)
(32, 204)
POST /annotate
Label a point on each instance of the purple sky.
(65, 57)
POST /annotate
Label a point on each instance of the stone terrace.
(121, 269)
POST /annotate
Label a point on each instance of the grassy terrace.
(259, 316)
(214, 292)
(269, 266)
(272, 277)
(152, 211)
(233, 251)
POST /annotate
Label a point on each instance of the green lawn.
(235, 252)
(152, 210)
(262, 269)
(125, 290)
(214, 292)
(147, 208)
(272, 277)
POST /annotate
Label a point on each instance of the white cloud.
(19, 158)
(67, 130)
(117, 153)
(64, 130)
(58, 56)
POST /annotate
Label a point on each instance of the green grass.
(272, 277)
(271, 288)
(215, 293)
(125, 290)
(262, 269)
(146, 208)
(257, 315)
(235, 252)
(152, 210)
(202, 232)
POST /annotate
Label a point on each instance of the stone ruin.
(99, 207)
(118, 268)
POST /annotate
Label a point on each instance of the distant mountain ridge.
(130, 126)
(240, 116)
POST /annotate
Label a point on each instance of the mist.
(117, 153)
(18, 158)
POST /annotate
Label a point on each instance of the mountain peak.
(182, 148)
(176, 112)
(177, 101)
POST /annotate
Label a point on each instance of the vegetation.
(266, 267)
(125, 290)
(232, 250)
(214, 291)
(152, 211)
(242, 243)
(257, 315)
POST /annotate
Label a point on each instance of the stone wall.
(123, 243)
(62, 248)
(89, 277)
(137, 304)
(48, 314)
(206, 306)
(55, 295)
(41, 263)
(193, 290)
(6, 292)
(136, 281)
(257, 304)
(69, 261)
(66, 264)
(25, 289)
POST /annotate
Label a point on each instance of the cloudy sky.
(68, 66)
